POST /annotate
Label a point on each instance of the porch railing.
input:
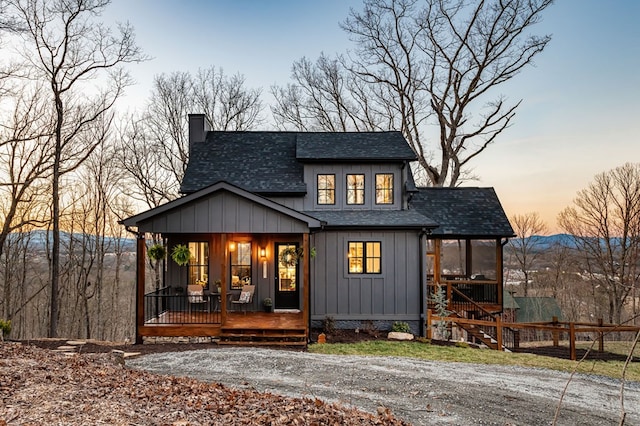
(164, 306)
(480, 292)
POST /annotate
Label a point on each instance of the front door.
(287, 294)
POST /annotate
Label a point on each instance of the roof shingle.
(463, 212)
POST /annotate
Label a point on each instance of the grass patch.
(431, 352)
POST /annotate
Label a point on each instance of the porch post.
(305, 281)
(141, 256)
(224, 250)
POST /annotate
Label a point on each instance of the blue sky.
(580, 113)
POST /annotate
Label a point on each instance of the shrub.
(329, 325)
(401, 327)
(5, 328)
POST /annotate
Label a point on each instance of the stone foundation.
(366, 325)
(152, 340)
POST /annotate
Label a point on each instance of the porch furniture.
(246, 297)
(195, 296)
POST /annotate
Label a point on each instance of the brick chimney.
(198, 128)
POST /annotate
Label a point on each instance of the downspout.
(423, 279)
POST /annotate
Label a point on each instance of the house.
(327, 226)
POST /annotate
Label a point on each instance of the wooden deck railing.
(557, 328)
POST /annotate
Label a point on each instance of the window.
(365, 257)
(326, 189)
(355, 189)
(199, 264)
(384, 188)
(241, 265)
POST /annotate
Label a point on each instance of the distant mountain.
(37, 240)
(544, 242)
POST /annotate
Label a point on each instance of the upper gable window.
(384, 188)
(326, 189)
(355, 189)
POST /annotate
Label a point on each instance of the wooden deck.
(250, 328)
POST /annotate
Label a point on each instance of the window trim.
(365, 258)
(390, 190)
(327, 190)
(355, 190)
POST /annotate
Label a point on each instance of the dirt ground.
(419, 392)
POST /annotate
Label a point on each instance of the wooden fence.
(557, 328)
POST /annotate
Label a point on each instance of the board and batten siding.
(223, 212)
(394, 294)
(311, 172)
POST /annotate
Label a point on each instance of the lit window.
(241, 265)
(199, 264)
(355, 189)
(384, 188)
(326, 189)
(364, 257)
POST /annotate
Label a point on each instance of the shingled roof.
(260, 162)
(353, 147)
(463, 212)
(373, 219)
(272, 162)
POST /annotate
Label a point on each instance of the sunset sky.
(580, 114)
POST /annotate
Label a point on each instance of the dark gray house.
(322, 224)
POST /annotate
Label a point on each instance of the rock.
(117, 357)
(396, 335)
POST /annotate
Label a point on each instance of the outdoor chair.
(195, 296)
(246, 297)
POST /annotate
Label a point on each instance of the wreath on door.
(289, 257)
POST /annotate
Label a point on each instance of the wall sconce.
(263, 256)
(232, 246)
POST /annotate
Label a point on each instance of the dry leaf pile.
(39, 386)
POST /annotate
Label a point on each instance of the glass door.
(287, 294)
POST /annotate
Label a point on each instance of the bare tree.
(162, 131)
(427, 68)
(65, 46)
(529, 227)
(604, 221)
(326, 96)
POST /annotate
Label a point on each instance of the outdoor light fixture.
(263, 255)
(232, 246)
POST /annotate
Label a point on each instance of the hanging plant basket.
(289, 257)
(181, 254)
(157, 252)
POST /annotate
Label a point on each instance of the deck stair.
(263, 337)
(477, 333)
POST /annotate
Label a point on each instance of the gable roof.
(353, 147)
(149, 215)
(271, 163)
(463, 212)
(537, 309)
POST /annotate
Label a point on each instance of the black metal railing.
(165, 306)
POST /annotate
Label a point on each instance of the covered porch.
(236, 241)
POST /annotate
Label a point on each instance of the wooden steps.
(263, 336)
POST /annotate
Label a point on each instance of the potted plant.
(181, 254)
(267, 304)
(157, 252)
(219, 286)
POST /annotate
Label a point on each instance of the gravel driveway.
(421, 392)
